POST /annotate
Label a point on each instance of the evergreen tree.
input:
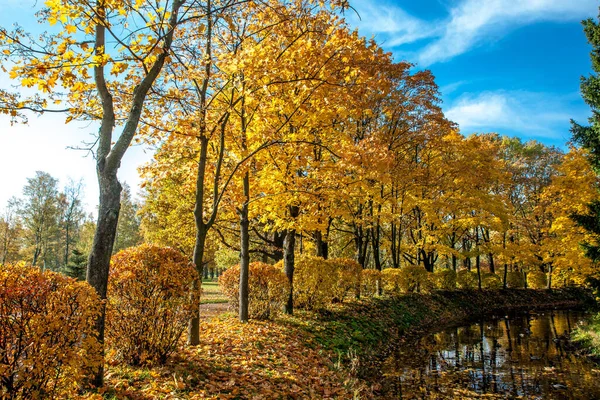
(588, 136)
(77, 265)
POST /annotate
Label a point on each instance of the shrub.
(444, 279)
(314, 282)
(490, 281)
(47, 341)
(466, 279)
(150, 303)
(391, 280)
(348, 274)
(514, 279)
(537, 280)
(414, 279)
(267, 289)
(368, 281)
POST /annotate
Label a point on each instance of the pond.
(517, 356)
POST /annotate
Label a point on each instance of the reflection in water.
(513, 357)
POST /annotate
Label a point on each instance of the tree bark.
(288, 260)
(244, 252)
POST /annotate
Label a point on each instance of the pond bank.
(362, 333)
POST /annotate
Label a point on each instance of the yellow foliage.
(537, 280)
(314, 282)
(268, 289)
(490, 281)
(466, 279)
(348, 273)
(369, 279)
(444, 279)
(390, 280)
(47, 345)
(149, 303)
(414, 279)
(515, 280)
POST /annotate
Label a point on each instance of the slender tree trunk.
(245, 251)
(492, 265)
(550, 276)
(99, 260)
(289, 244)
(194, 324)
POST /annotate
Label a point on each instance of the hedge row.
(318, 282)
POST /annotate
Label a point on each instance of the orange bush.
(47, 342)
(348, 277)
(369, 279)
(149, 303)
(267, 289)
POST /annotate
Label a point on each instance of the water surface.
(519, 356)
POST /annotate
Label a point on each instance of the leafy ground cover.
(587, 338)
(326, 354)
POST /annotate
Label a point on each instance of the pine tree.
(589, 136)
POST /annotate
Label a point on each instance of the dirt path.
(213, 309)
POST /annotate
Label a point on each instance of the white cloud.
(468, 25)
(391, 24)
(474, 20)
(540, 115)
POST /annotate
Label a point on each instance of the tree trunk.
(194, 324)
(244, 251)
(550, 276)
(321, 244)
(492, 265)
(99, 259)
(289, 244)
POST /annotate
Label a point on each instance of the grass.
(211, 293)
(587, 337)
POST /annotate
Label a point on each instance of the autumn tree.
(11, 231)
(95, 81)
(40, 214)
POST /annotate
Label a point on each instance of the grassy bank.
(313, 354)
(587, 338)
(362, 325)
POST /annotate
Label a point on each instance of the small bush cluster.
(444, 279)
(391, 280)
(466, 279)
(370, 279)
(150, 302)
(267, 289)
(348, 274)
(537, 280)
(490, 281)
(314, 281)
(47, 341)
(515, 280)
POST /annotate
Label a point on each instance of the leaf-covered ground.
(313, 355)
(258, 360)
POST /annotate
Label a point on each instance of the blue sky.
(506, 66)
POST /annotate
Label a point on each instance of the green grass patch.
(587, 337)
